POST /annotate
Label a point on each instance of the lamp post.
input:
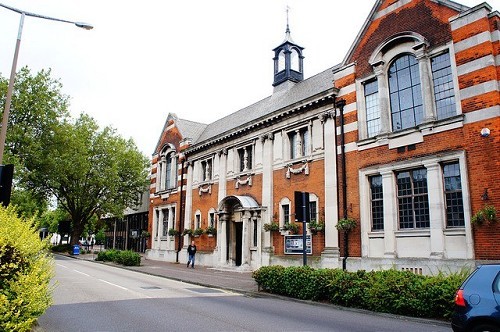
(5, 119)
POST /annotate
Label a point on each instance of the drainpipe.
(340, 104)
(181, 210)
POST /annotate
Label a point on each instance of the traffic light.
(302, 209)
(6, 173)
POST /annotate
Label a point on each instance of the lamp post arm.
(8, 98)
(78, 24)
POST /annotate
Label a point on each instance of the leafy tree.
(91, 172)
(38, 106)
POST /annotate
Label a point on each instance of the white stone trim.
(468, 17)
(472, 41)
(353, 126)
(477, 64)
(478, 89)
(391, 8)
(483, 114)
(347, 90)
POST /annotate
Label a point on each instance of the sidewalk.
(241, 282)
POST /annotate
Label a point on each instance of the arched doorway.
(239, 218)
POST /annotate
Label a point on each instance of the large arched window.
(405, 93)
(167, 171)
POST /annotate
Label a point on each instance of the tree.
(38, 106)
(91, 172)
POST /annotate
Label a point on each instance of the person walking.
(191, 253)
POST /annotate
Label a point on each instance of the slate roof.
(190, 129)
(265, 107)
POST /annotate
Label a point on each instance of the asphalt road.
(98, 297)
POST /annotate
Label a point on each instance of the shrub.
(62, 248)
(25, 272)
(391, 291)
(123, 257)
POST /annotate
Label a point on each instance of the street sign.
(294, 244)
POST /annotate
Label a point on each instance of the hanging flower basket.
(197, 232)
(187, 231)
(487, 214)
(173, 232)
(272, 227)
(291, 227)
(346, 224)
(211, 231)
(316, 227)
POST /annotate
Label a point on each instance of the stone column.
(330, 255)
(222, 175)
(383, 97)
(426, 82)
(390, 214)
(188, 207)
(222, 237)
(245, 241)
(265, 247)
(436, 212)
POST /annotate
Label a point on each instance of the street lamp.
(5, 119)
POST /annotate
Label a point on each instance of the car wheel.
(485, 328)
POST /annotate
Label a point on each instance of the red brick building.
(402, 136)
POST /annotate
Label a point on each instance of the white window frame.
(285, 202)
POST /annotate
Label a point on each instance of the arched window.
(167, 171)
(405, 93)
(294, 60)
(281, 61)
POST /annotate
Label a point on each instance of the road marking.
(112, 284)
(85, 274)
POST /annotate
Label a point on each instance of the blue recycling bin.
(76, 249)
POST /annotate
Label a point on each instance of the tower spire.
(287, 31)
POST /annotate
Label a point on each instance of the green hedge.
(124, 257)
(26, 268)
(390, 291)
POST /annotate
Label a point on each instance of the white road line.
(85, 274)
(110, 283)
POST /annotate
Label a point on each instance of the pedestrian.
(191, 253)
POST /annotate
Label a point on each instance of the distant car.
(477, 301)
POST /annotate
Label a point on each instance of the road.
(98, 297)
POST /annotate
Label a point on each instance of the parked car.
(477, 301)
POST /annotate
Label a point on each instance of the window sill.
(413, 233)
(165, 192)
(376, 234)
(458, 231)
(423, 129)
(300, 160)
